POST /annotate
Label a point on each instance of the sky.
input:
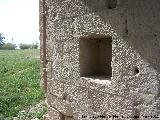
(19, 19)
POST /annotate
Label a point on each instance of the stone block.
(61, 105)
(135, 33)
(50, 98)
(96, 99)
(68, 118)
(53, 114)
(66, 8)
(56, 88)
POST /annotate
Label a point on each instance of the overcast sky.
(20, 19)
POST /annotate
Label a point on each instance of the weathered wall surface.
(134, 88)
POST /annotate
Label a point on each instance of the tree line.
(11, 46)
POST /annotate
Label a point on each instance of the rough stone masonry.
(100, 59)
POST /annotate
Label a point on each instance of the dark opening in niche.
(95, 57)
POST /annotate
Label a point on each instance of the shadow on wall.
(144, 32)
(141, 25)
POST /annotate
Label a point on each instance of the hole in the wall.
(112, 4)
(136, 70)
(95, 57)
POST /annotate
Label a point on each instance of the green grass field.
(19, 81)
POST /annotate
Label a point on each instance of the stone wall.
(134, 87)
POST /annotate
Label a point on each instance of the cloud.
(20, 20)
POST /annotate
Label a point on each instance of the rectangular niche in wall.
(95, 57)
